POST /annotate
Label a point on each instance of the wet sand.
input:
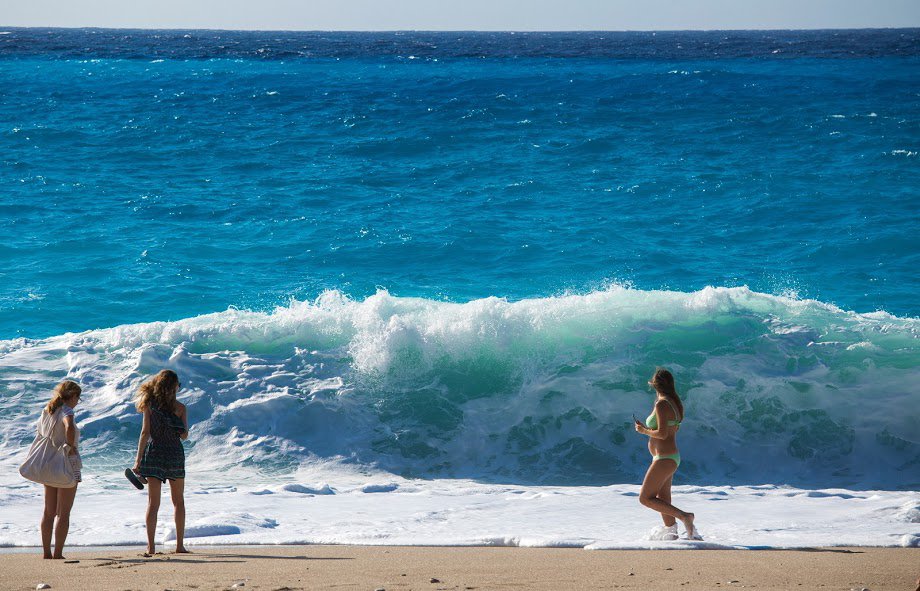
(425, 568)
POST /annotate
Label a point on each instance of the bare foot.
(47, 557)
(182, 550)
(57, 557)
(688, 523)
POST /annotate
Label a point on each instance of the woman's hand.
(640, 428)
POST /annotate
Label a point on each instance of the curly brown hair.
(159, 390)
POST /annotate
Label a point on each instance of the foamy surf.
(394, 413)
(464, 513)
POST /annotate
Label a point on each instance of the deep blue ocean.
(157, 175)
(463, 254)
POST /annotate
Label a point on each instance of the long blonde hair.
(160, 390)
(63, 392)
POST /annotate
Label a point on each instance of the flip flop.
(137, 480)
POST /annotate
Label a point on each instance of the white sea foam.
(316, 413)
(457, 512)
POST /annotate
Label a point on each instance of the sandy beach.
(427, 568)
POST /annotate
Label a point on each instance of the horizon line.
(506, 31)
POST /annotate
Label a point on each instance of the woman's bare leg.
(664, 493)
(177, 492)
(658, 473)
(50, 511)
(154, 490)
(65, 497)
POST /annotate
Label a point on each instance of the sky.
(483, 15)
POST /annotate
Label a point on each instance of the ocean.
(414, 283)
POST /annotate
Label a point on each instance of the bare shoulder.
(180, 408)
(663, 408)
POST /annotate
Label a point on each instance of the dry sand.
(430, 569)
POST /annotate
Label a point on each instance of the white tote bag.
(47, 463)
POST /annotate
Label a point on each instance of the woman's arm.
(661, 414)
(70, 434)
(183, 414)
(142, 442)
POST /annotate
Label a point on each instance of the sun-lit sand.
(391, 568)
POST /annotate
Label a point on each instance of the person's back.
(164, 457)
(165, 427)
(57, 422)
(160, 455)
(52, 424)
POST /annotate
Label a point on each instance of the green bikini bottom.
(675, 457)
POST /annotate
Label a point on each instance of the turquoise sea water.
(139, 186)
(464, 254)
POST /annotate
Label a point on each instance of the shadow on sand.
(202, 558)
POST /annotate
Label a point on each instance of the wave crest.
(777, 389)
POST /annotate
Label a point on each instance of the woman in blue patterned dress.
(160, 456)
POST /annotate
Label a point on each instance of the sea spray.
(777, 389)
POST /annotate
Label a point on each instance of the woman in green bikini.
(661, 427)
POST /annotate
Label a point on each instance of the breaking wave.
(777, 389)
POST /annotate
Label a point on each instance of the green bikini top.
(652, 422)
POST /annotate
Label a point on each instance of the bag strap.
(65, 447)
(54, 419)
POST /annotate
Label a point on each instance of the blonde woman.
(160, 456)
(59, 501)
